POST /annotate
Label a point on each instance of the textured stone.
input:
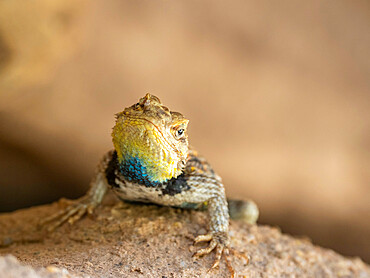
(139, 240)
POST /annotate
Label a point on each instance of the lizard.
(152, 162)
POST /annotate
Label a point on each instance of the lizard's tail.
(244, 210)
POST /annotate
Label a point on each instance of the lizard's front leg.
(218, 236)
(86, 204)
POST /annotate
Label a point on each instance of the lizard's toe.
(219, 251)
(73, 212)
(223, 250)
(220, 243)
(201, 238)
(212, 245)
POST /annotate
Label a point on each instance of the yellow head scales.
(150, 133)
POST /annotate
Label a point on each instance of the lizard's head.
(150, 140)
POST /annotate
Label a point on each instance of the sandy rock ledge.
(132, 240)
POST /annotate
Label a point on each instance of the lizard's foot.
(74, 210)
(220, 242)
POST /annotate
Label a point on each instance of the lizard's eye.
(179, 133)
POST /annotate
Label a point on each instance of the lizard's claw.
(219, 242)
(73, 212)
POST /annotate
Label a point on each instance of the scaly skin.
(152, 162)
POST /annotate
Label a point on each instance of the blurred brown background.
(277, 93)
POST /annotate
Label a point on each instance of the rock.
(139, 240)
(10, 267)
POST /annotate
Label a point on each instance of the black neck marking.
(110, 171)
(175, 185)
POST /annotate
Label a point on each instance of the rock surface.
(138, 240)
(10, 267)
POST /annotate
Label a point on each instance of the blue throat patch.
(134, 171)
